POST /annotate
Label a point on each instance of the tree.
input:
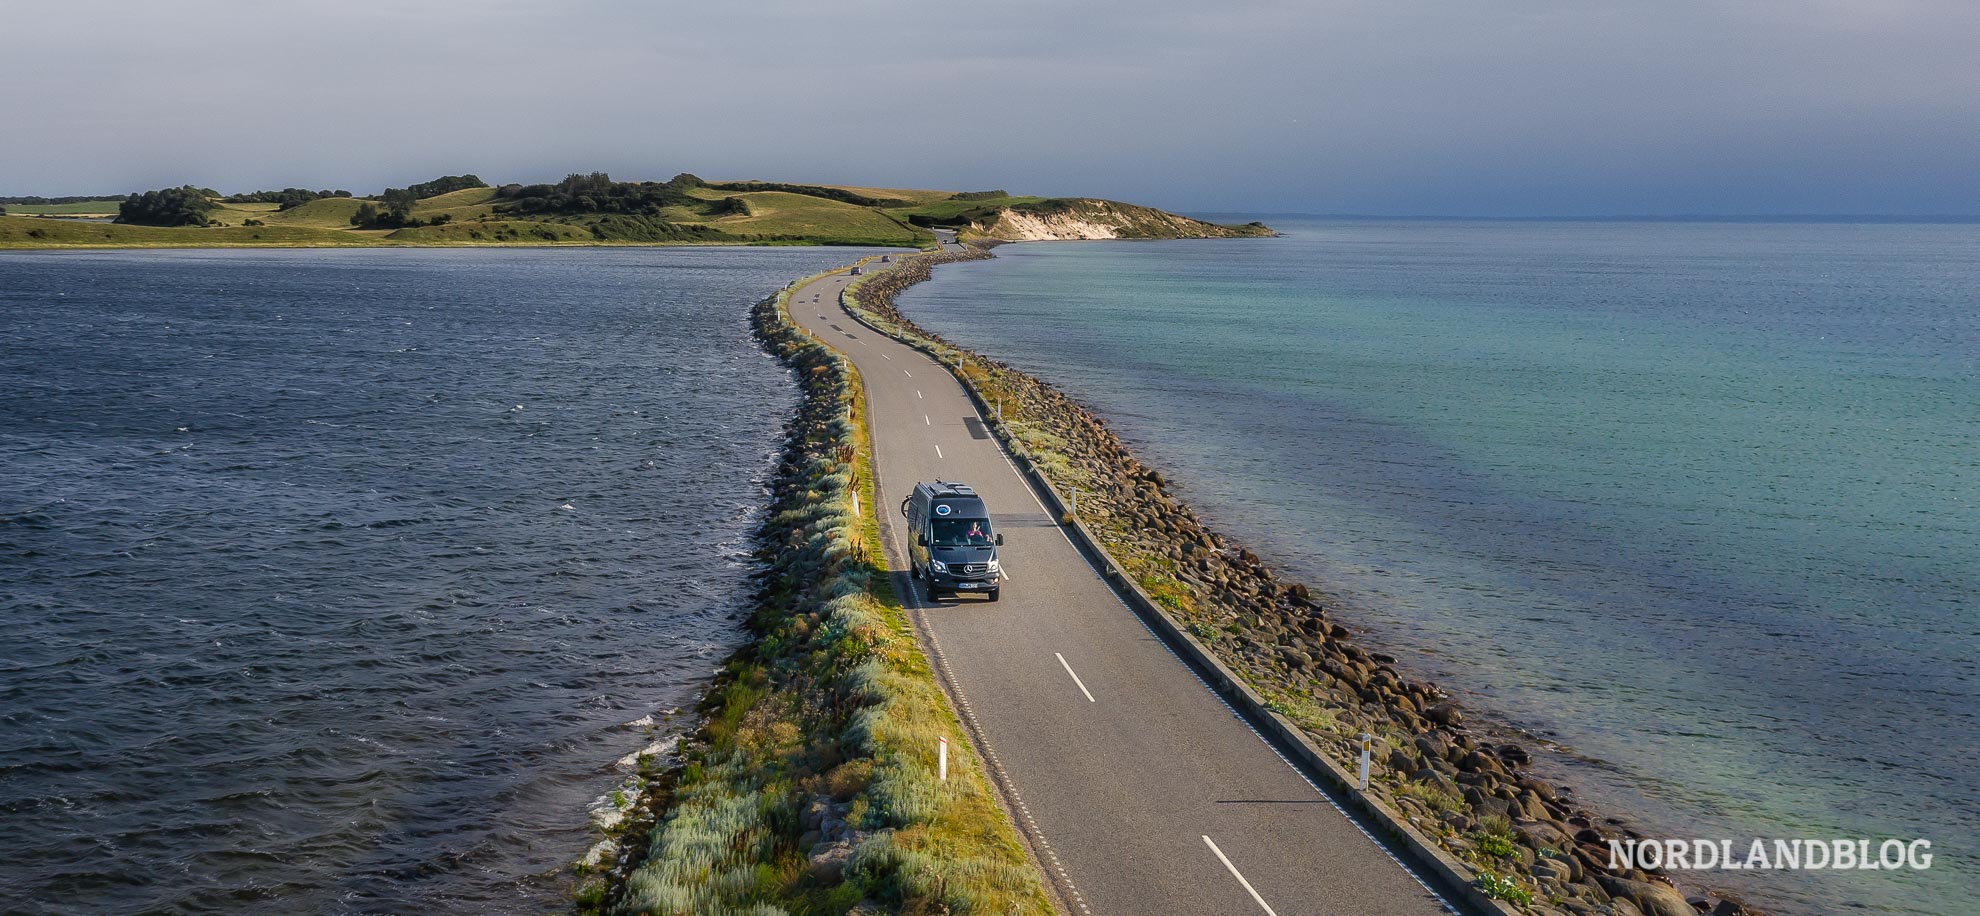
(184, 206)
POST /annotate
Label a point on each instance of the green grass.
(779, 213)
(31, 232)
(325, 213)
(511, 232)
(945, 209)
(86, 206)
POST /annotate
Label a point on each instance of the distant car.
(856, 271)
(886, 259)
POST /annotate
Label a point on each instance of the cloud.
(1408, 106)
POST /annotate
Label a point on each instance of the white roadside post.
(942, 760)
(1075, 502)
(1367, 746)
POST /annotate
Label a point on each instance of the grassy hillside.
(684, 211)
(778, 214)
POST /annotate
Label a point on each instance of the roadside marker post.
(1367, 746)
(1075, 501)
(942, 760)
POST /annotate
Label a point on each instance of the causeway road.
(1138, 788)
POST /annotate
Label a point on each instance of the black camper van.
(950, 543)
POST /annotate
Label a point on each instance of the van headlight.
(938, 566)
(995, 568)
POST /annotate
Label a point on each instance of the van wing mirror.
(1000, 540)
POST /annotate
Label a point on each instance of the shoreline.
(1463, 786)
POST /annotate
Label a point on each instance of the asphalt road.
(1140, 789)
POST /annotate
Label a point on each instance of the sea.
(1694, 504)
(337, 581)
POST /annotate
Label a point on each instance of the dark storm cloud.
(1376, 107)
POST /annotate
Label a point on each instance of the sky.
(1390, 107)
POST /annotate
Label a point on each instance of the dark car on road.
(950, 541)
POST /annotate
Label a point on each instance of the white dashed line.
(938, 451)
(925, 421)
(907, 373)
(1076, 680)
(1235, 874)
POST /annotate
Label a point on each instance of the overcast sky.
(1511, 107)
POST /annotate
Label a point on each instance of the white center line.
(925, 421)
(1234, 873)
(907, 373)
(938, 451)
(882, 356)
(917, 391)
(1090, 699)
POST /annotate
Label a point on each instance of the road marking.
(1235, 874)
(925, 421)
(938, 451)
(917, 391)
(907, 373)
(886, 357)
(1090, 699)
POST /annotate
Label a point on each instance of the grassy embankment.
(1519, 838)
(811, 787)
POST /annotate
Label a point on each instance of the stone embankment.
(1524, 841)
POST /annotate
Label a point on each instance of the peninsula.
(582, 209)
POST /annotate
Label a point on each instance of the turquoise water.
(1695, 501)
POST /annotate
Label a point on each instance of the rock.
(1652, 898)
(1514, 754)
(1400, 760)
(827, 861)
(1433, 745)
(1542, 834)
(1445, 714)
(1479, 762)
(1299, 591)
(1556, 869)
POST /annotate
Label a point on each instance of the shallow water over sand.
(1699, 501)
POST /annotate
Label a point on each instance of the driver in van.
(975, 534)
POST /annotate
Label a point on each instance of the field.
(32, 232)
(777, 213)
(82, 208)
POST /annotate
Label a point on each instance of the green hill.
(594, 209)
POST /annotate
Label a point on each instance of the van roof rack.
(954, 489)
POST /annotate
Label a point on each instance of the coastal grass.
(78, 208)
(32, 232)
(811, 788)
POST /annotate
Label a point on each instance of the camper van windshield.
(962, 532)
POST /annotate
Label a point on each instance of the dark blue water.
(1700, 502)
(329, 579)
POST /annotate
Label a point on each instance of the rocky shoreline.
(1527, 842)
